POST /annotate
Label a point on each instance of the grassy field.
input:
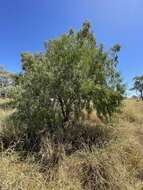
(116, 166)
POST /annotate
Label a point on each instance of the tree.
(138, 85)
(6, 81)
(73, 74)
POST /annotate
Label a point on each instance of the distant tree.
(138, 85)
(73, 74)
(134, 97)
(6, 82)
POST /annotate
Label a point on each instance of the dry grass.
(16, 175)
(133, 111)
(4, 112)
(116, 166)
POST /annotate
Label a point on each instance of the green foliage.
(138, 85)
(73, 74)
(6, 83)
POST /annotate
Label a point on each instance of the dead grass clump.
(18, 175)
(50, 156)
(11, 135)
(131, 155)
(80, 136)
(115, 167)
(96, 170)
(132, 111)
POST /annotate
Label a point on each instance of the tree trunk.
(65, 113)
(142, 95)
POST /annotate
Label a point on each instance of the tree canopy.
(73, 74)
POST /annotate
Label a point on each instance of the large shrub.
(73, 74)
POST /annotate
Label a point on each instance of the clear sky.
(26, 24)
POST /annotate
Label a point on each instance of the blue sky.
(26, 24)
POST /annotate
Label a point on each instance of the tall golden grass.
(116, 166)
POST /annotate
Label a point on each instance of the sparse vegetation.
(67, 125)
(62, 165)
